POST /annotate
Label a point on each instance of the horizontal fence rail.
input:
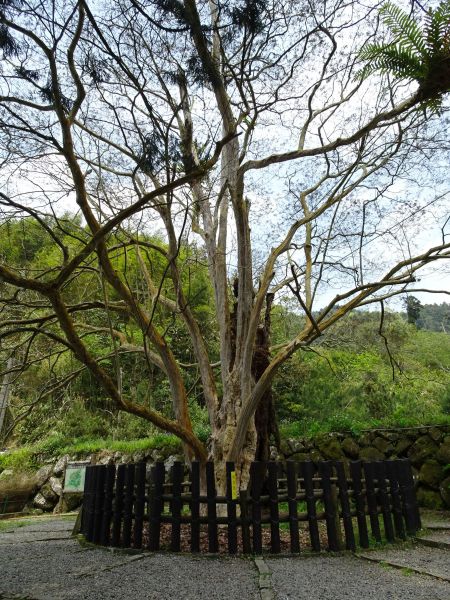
(288, 507)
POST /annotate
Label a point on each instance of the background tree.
(166, 123)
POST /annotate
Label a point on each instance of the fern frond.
(404, 28)
(437, 28)
(393, 58)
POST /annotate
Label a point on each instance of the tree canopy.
(236, 135)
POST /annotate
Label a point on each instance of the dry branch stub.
(288, 507)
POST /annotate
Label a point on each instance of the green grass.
(7, 525)
(301, 429)
(30, 457)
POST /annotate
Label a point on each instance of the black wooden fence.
(315, 505)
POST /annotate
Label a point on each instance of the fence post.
(330, 507)
(141, 471)
(273, 505)
(308, 471)
(243, 503)
(107, 506)
(88, 503)
(406, 482)
(99, 497)
(128, 506)
(176, 506)
(231, 507)
(355, 471)
(118, 506)
(213, 542)
(156, 506)
(395, 499)
(292, 504)
(372, 500)
(195, 507)
(345, 505)
(257, 473)
(380, 472)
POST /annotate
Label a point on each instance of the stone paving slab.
(347, 578)
(436, 539)
(429, 561)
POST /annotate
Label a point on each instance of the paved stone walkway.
(40, 561)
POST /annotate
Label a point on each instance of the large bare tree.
(245, 126)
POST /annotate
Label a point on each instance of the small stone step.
(438, 525)
(436, 539)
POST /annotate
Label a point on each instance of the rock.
(431, 473)
(315, 455)
(6, 473)
(48, 493)
(364, 440)
(429, 499)
(39, 501)
(60, 465)
(157, 455)
(422, 449)
(138, 457)
(392, 436)
(56, 485)
(329, 448)
(443, 454)
(435, 434)
(43, 474)
(383, 445)
(370, 453)
(350, 447)
(107, 459)
(285, 448)
(117, 457)
(444, 489)
(402, 446)
(169, 462)
(299, 456)
(68, 503)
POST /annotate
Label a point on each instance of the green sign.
(74, 480)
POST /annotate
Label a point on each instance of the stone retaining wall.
(428, 449)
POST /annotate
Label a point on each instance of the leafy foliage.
(420, 54)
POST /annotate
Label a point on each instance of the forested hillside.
(367, 370)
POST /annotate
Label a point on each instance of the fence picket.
(380, 472)
(292, 505)
(156, 506)
(395, 499)
(355, 471)
(272, 483)
(139, 504)
(213, 542)
(118, 506)
(372, 500)
(257, 473)
(345, 506)
(107, 505)
(308, 472)
(176, 506)
(98, 505)
(231, 508)
(195, 507)
(128, 506)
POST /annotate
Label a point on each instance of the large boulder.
(330, 448)
(43, 475)
(60, 465)
(48, 493)
(422, 449)
(383, 445)
(370, 453)
(56, 485)
(443, 454)
(429, 499)
(444, 489)
(402, 446)
(431, 474)
(39, 501)
(68, 503)
(350, 447)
